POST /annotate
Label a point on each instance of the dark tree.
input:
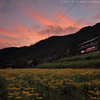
(35, 62)
(20, 63)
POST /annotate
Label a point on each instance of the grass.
(85, 61)
(52, 84)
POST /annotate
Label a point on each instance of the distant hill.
(53, 45)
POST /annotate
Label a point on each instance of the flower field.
(52, 84)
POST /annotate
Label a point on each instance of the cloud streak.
(28, 21)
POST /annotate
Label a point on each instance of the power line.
(56, 17)
(64, 14)
(60, 11)
(67, 11)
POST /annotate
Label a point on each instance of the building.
(90, 46)
(8, 66)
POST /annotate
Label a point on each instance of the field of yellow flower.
(52, 84)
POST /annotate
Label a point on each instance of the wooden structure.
(90, 46)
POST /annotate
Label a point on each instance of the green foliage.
(74, 64)
(20, 63)
(80, 58)
(3, 89)
(85, 61)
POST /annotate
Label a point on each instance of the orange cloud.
(67, 21)
(33, 14)
(37, 16)
(28, 34)
(6, 42)
(21, 34)
(6, 32)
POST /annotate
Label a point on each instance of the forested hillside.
(55, 45)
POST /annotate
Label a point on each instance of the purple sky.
(25, 22)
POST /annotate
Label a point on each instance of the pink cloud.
(6, 42)
(0, 14)
(58, 30)
(24, 35)
(85, 22)
(96, 17)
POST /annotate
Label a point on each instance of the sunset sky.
(25, 22)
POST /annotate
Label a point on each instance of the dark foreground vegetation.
(81, 61)
(3, 88)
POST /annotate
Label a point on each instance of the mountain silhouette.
(52, 45)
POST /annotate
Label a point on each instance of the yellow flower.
(36, 94)
(39, 98)
(97, 93)
(18, 97)
(28, 95)
(24, 92)
(10, 96)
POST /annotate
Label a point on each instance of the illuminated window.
(82, 51)
(89, 49)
